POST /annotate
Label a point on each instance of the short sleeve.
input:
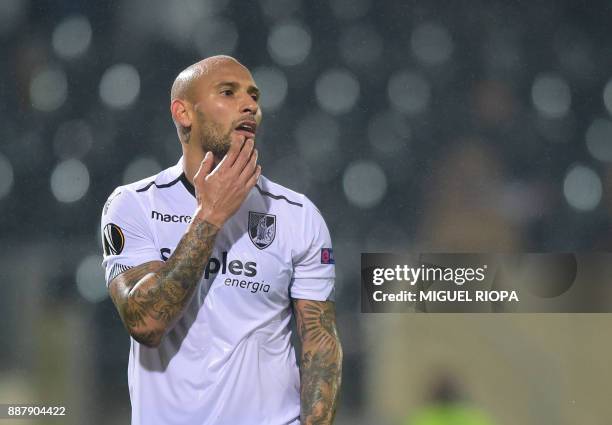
(314, 270)
(126, 237)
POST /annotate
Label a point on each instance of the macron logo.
(170, 218)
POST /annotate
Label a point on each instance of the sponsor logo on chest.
(170, 218)
(243, 273)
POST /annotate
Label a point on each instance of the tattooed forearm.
(151, 297)
(321, 364)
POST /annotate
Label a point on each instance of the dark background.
(414, 126)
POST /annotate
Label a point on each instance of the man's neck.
(192, 162)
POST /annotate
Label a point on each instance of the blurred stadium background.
(413, 125)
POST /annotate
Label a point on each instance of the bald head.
(184, 84)
(208, 101)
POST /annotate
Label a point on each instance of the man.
(206, 261)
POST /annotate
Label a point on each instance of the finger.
(243, 157)
(254, 178)
(233, 152)
(205, 166)
(230, 156)
(250, 167)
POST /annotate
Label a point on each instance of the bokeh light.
(72, 37)
(551, 95)
(49, 89)
(139, 169)
(89, 278)
(599, 139)
(364, 183)
(337, 91)
(431, 44)
(289, 43)
(69, 180)
(582, 188)
(120, 86)
(181, 22)
(273, 86)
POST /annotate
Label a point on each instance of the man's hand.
(221, 192)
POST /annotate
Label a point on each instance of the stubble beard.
(214, 140)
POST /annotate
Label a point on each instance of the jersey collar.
(177, 172)
(187, 184)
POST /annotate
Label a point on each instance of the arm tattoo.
(149, 306)
(321, 364)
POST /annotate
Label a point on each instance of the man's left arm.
(321, 360)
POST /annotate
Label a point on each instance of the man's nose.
(249, 105)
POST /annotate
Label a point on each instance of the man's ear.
(181, 113)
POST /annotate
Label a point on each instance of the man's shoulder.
(272, 190)
(132, 192)
(291, 201)
(164, 179)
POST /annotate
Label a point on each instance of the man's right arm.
(151, 297)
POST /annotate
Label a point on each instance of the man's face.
(226, 108)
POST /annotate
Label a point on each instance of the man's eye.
(227, 92)
(255, 97)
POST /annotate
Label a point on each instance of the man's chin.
(219, 149)
(241, 136)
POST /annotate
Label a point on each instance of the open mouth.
(247, 128)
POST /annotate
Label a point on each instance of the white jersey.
(229, 359)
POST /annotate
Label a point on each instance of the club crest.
(262, 229)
